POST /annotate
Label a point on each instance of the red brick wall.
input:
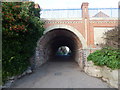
(81, 26)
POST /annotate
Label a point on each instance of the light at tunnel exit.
(63, 51)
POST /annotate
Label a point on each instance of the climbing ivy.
(21, 28)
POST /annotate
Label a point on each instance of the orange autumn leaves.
(18, 28)
(12, 17)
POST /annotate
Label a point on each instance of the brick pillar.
(85, 18)
(84, 7)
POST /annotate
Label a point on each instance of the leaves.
(112, 38)
(21, 28)
(107, 56)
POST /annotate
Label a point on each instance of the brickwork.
(79, 31)
(85, 25)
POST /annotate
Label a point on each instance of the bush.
(112, 38)
(109, 57)
(21, 28)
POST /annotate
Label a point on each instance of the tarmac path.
(60, 74)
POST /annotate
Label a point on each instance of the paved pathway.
(59, 75)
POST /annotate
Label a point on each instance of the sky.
(61, 4)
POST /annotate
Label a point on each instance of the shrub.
(112, 38)
(109, 57)
(21, 28)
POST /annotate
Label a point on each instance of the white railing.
(77, 13)
(61, 13)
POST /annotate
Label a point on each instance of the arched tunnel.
(49, 44)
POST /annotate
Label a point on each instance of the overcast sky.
(56, 4)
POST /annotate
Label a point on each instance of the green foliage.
(21, 28)
(106, 57)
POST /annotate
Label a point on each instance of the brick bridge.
(78, 33)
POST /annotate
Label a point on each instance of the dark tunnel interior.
(57, 38)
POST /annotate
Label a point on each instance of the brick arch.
(70, 28)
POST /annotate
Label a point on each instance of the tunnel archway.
(52, 39)
(70, 28)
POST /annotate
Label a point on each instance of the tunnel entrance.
(58, 45)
